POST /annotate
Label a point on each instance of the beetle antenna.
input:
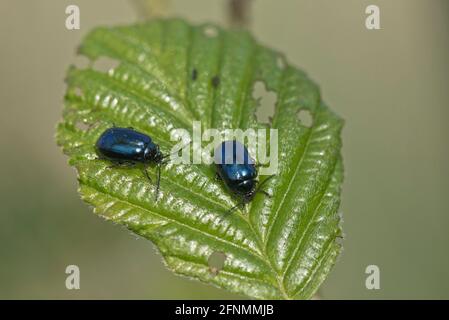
(145, 170)
(175, 152)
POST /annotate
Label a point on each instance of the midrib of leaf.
(245, 91)
(245, 94)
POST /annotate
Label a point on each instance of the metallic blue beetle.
(237, 170)
(125, 146)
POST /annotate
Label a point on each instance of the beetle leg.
(127, 164)
(100, 158)
(145, 171)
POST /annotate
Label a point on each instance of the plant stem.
(149, 9)
(239, 13)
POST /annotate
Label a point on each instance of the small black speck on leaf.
(194, 74)
(215, 81)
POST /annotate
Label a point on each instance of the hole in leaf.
(210, 31)
(105, 64)
(339, 237)
(280, 61)
(339, 240)
(83, 125)
(266, 101)
(81, 61)
(305, 116)
(78, 92)
(216, 262)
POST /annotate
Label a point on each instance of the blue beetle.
(125, 146)
(238, 171)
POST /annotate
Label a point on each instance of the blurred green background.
(390, 85)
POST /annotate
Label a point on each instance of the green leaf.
(278, 248)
